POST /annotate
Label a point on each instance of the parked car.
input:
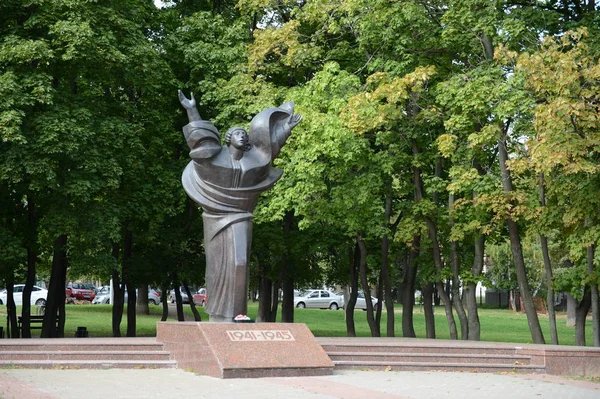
(105, 289)
(154, 297)
(322, 299)
(104, 297)
(362, 304)
(184, 296)
(38, 295)
(81, 291)
(200, 297)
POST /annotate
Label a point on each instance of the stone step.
(436, 366)
(84, 355)
(412, 357)
(73, 353)
(433, 349)
(88, 364)
(23, 346)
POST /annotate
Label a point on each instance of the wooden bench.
(35, 322)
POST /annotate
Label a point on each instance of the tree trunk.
(178, 300)
(365, 285)
(379, 295)
(354, 259)
(192, 304)
(164, 289)
(264, 298)
(11, 309)
(287, 304)
(439, 285)
(580, 317)
(470, 292)
(456, 300)
(548, 270)
(117, 305)
(517, 250)
(128, 283)
(550, 294)
(30, 280)
(428, 309)
(54, 318)
(399, 266)
(385, 270)
(455, 262)
(437, 260)
(31, 243)
(435, 248)
(408, 289)
(470, 289)
(571, 310)
(116, 294)
(178, 304)
(594, 297)
(142, 305)
(275, 299)
(287, 272)
(131, 308)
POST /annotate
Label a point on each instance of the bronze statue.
(226, 180)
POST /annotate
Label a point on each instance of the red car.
(200, 297)
(81, 291)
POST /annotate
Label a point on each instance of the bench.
(35, 322)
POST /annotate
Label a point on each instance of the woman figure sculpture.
(226, 180)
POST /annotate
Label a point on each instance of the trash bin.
(81, 332)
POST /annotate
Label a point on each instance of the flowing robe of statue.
(227, 189)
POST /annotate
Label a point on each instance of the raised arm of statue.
(270, 129)
(202, 136)
(190, 106)
(283, 129)
(282, 134)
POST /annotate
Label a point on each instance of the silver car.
(184, 296)
(104, 296)
(321, 299)
(361, 303)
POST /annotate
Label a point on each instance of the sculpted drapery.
(226, 180)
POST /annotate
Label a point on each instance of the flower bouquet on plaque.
(242, 318)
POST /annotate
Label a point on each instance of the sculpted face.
(238, 139)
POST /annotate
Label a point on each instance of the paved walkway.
(168, 383)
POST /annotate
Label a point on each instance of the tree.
(563, 77)
(72, 127)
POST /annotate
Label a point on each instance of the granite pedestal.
(242, 350)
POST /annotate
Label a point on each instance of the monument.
(226, 180)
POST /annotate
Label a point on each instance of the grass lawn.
(496, 325)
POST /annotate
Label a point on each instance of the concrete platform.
(397, 354)
(348, 384)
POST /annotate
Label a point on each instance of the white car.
(101, 299)
(184, 296)
(38, 295)
(103, 296)
(362, 304)
(321, 299)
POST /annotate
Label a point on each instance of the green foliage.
(90, 129)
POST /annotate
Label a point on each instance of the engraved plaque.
(261, 335)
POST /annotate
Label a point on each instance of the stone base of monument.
(243, 350)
